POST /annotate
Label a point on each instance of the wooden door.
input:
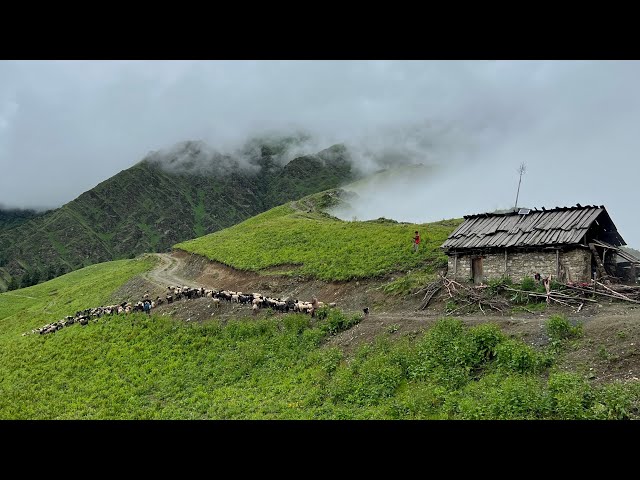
(476, 270)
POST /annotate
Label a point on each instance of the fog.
(65, 126)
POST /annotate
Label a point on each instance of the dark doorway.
(476, 270)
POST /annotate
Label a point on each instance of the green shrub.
(446, 354)
(392, 328)
(418, 401)
(322, 312)
(496, 397)
(616, 401)
(296, 323)
(336, 321)
(528, 284)
(570, 396)
(371, 376)
(496, 285)
(486, 338)
(515, 356)
(559, 328)
(327, 358)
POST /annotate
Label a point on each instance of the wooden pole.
(505, 261)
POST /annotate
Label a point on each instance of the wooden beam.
(505, 261)
(599, 265)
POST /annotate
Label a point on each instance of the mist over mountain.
(12, 217)
(169, 196)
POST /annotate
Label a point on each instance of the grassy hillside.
(139, 367)
(280, 366)
(27, 308)
(150, 207)
(302, 240)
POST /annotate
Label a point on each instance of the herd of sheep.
(256, 300)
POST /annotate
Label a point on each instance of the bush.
(496, 284)
(336, 321)
(486, 338)
(371, 376)
(495, 397)
(615, 401)
(295, 323)
(559, 328)
(516, 356)
(528, 284)
(570, 396)
(419, 401)
(446, 354)
(327, 359)
(450, 306)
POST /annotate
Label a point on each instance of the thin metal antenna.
(521, 170)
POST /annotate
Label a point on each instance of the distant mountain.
(166, 198)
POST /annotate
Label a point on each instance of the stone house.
(572, 244)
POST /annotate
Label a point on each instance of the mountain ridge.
(146, 208)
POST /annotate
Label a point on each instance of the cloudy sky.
(65, 126)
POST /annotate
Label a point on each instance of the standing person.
(147, 307)
(416, 241)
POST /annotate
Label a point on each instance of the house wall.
(575, 265)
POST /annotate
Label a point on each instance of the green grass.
(325, 247)
(279, 367)
(27, 308)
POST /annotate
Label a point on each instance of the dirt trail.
(166, 273)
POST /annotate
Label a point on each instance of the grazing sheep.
(316, 304)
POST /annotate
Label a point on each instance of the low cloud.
(65, 126)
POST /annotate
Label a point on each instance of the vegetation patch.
(278, 367)
(325, 247)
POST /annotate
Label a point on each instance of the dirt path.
(166, 273)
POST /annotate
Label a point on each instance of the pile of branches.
(572, 295)
(466, 298)
(573, 301)
(627, 293)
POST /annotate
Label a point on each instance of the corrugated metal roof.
(559, 226)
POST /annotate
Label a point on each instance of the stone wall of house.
(575, 264)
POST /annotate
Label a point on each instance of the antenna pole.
(521, 170)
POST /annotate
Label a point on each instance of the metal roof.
(558, 226)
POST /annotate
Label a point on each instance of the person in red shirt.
(416, 241)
